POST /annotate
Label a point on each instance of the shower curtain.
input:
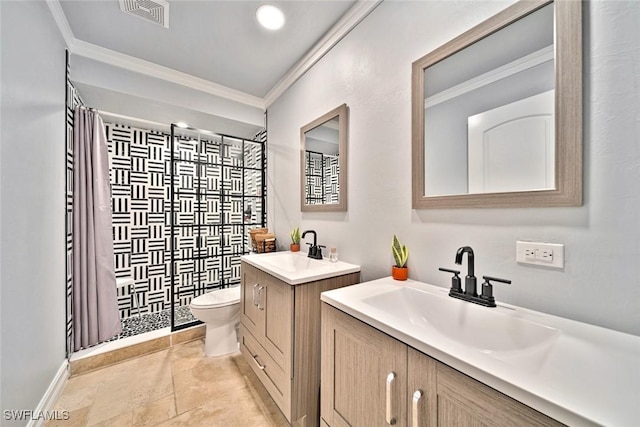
(95, 303)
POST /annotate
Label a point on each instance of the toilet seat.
(217, 298)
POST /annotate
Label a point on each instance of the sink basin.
(288, 261)
(295, 268)
(486, 329)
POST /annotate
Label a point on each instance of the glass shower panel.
(232, 151)
(253, 154)
(253, 188)
(217, 184)
(212, 213)
(186, 239)
(210, 150)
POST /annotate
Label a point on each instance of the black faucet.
(315, 250)
(470, 288)
(470, 281)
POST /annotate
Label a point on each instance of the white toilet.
(220, 311)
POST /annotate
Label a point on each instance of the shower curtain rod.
(164, 126)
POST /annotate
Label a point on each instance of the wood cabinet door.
(252, 317)
(422, 394)
(463, 401)
(277, 301)
(364, 380)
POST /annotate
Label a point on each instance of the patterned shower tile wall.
(72, 101)
(322, 173)
(141, 204)
(331, 184)
(137, 176)
(314, 173)
(218, 190)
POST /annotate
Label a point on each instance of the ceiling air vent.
(152, 10)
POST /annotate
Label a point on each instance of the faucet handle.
(487, 289)
(496, 279)
(456, 285)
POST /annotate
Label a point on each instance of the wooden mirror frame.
(568, 112)
(342, 113)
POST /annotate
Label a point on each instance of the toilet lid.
(217, 298)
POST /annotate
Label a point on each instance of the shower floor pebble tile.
(148, 322)
(177, 386)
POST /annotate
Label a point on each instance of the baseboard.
(51, 395)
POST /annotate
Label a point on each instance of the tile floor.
(177, 386)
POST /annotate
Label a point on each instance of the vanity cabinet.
(280, 338)
(372, 379)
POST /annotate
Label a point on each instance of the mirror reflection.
(323, 151)
(321, 163)
(497, 112)
(489, 113)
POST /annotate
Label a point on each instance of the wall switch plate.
(536, 253)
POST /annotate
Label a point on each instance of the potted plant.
(400, 254)
(295, 240)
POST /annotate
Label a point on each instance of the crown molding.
(348, 22)
(131, 63)
(61, 21)
(357, 13)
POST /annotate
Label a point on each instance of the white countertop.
(296, 268)
(579, 375)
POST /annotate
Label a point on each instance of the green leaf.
(400, 252)
(295, 235)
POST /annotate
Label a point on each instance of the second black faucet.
(315, 250)
(470, 282)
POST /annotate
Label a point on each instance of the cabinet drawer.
(272, 377)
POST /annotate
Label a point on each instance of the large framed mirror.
(497, 112)
(323, 162)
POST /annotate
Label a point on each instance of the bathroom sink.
(289, 261)
(490, 330)
(547, 362)
(295, 268)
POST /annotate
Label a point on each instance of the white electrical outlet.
(536, 253)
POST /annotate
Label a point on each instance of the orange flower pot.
(399, 273)
(295, 247)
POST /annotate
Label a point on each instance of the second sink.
(295, 268)
(484, 329)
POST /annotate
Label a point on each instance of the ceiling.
(218, 41)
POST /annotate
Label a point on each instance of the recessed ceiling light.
(270, 17)
(182, 125)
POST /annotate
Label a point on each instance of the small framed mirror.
(497, 112)
(323, 162)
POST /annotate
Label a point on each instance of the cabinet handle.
(260, 306)
(254, 294)
(391, 420)
(255, 358)
(417, 397)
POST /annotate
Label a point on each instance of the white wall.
(32, 184)
(370, 70)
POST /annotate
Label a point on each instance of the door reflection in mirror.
(477, 80)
